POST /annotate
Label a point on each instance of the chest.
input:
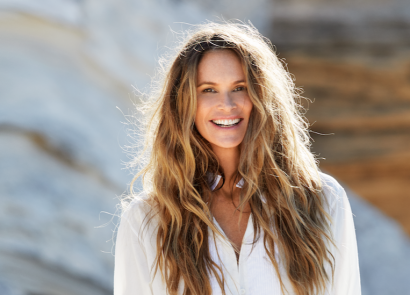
(229, 219)
(251, 272)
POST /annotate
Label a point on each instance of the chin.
(225, 144)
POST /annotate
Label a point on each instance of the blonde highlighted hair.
(275, 162)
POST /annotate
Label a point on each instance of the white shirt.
(135, 253)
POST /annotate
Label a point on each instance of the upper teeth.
(226, 122)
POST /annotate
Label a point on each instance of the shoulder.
(138, 213)
(332, 191)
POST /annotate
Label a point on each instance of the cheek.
(248, 106)
(205, 105)
(201, 112)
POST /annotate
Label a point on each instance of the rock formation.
(353, 59)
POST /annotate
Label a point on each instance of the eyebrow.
(213, 83)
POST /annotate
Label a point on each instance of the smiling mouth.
(226, 123)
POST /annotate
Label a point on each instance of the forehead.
(221, 65)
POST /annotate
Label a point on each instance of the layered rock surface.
(353, 61)
(364, 112)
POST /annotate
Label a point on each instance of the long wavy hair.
(275, 161)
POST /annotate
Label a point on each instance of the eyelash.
(212, 90)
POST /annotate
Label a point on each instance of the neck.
(229, 160)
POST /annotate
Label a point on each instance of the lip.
(227, 128)
(226, 118)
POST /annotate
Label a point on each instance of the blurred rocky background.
(66, 70)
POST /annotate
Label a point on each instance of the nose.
(227, 102)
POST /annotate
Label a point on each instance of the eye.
(240, 88)
(209, 90)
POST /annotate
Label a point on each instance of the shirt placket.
(235, 271)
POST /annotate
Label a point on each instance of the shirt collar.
(218, 178)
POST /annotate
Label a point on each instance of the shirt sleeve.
(131, 274)
(346, 275)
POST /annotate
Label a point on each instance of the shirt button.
(242, 291)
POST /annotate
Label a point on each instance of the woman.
(233, 200)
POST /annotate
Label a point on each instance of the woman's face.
(224, 106)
